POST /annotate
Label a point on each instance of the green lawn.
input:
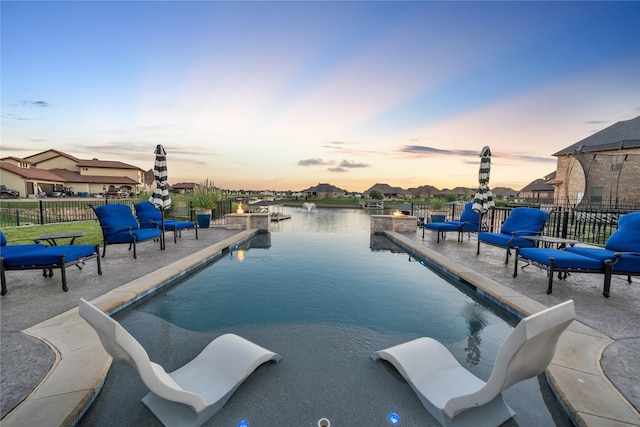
(21, 235)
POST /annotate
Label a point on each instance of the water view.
(325, 294)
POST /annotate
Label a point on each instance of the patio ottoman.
(50, 257)
(562, 261)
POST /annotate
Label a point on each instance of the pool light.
(243, 423)
(394, 418)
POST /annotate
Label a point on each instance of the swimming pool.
(324, 294)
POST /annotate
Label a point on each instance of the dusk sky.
(285, 95)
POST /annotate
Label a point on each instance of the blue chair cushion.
(51, 255)
(178, 225)
(10, 251)
(443, 226)
(625, 238)
(140, 234)
(524, 219)
(7, 251)
(150, 217)
(500, 239)
(562, 259)
(628, 263)
(147, 211)
(468, 214)
(116, 218)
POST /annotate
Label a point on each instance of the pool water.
(325, 294)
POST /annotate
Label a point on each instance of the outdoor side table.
(550, 242)
(52, 239)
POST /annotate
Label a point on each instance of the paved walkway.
(25, 361)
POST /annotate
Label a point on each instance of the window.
(617, 161)
(596, 194)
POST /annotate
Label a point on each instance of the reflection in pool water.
(322, 278)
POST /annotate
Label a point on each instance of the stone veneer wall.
(401, 224)
(247, 221)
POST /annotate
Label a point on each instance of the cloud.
(422, 150)
(337, 169)
(14, 117)
(345, 148)
(351, 165)
(536, 159)
(314, 162)
(40, 104)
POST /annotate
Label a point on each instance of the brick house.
(601, 170)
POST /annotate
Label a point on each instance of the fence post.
(17, 216)
(565, 223)
(41, 207)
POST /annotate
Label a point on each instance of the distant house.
(323, 191)
(603, 169)
(183, 187)
(389, 192)
(539, 191)
(54, 171)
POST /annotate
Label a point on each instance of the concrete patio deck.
(595, 370)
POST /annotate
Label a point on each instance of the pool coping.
(81, 364)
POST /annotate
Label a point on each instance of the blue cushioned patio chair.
(150, 217)
(620, 256)
(563, 262)
(622, 247)
(456, 397)
(119, 225)
(469, 222)
(37, 256)
(520, 222)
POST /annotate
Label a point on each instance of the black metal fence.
(38, 212)
(591, 225)
(585, 224)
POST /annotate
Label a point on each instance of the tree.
(376, 195)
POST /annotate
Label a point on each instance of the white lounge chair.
(193, 393)
(456, 397)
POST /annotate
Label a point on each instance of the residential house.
(539, 191)
(54, 171)
(183, 187)
(601, 170)
(389, 192)
(323, 191)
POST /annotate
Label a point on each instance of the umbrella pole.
(162, 239)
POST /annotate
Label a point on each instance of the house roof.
(623, 134)
(64, 175)
(31, 173)
(88, 163)
(111, 164)
(15, 159)
(386, 189)
(324, 188)
(542, 184)
(55, 153)
(184, 186)
(538, 185)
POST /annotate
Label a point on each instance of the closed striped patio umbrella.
(160, 197)
(483, 200)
